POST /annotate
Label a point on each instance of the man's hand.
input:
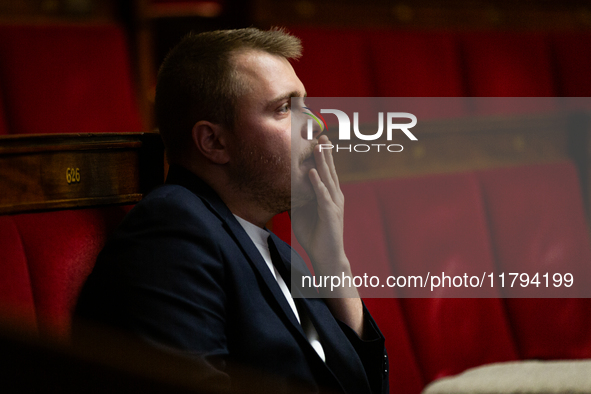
(318, 227)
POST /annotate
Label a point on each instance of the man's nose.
(312, 129)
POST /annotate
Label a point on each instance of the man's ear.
(210, 139)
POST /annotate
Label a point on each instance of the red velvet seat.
(334, 63)
(16, 294)
(366, 248)
(508, 64)
(59, 251)
(538, 224)
(416, 65)
(572, 59)
(438, 224)
(405, 374)
(66, 79)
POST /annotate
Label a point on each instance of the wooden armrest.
(62, 171)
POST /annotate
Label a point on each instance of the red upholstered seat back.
(364, 244)
(46, 258)
(405, 374)
(537, 223)
(16, 294)
(507, 64)
(571, 55)
(513, 219)
(66, 79)
(438, 224)
(415, 65)
(335, 63)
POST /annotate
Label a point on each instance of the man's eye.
(284, 108)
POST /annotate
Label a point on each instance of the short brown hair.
(197, 80)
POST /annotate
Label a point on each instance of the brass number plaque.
(72, 175)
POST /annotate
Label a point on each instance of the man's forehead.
(252, 61)
(262, 69)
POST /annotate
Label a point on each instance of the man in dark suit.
(192, 266)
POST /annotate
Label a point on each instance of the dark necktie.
(284, 270)
(277, 261)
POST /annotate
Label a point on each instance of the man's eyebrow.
(287, 96)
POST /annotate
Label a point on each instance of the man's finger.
(335, 188)
(330, 161)
(323, 168)
(320, 189)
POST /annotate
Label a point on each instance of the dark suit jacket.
(181, 271)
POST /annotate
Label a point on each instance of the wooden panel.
(55, 11)
(460, 145)
(41, 172)
(203, 9)
(462, 14)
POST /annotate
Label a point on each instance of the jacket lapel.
(261, 267)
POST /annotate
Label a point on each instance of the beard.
(263, 176)
(302, 191)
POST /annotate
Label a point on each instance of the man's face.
(262, 163)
